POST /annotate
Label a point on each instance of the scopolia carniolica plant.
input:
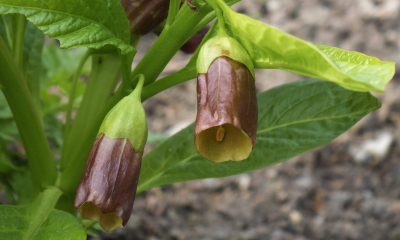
(95, 165)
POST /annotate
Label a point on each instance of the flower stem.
(169, 42)
(106, 71)
(172, 11)
(28, 122)
(176, 78)
(18, 23)
(75, 79)
(218, 11)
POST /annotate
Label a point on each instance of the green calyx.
(223, 45)
(127, 119)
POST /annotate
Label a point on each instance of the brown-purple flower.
(107, 189)
(108, 186)
(226, 123)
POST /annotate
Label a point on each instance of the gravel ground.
(348, 189)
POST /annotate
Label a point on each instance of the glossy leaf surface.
(272, 48)
(39, 220)
(293, 119)
(88, 23)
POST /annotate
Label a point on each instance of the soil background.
(348, 189)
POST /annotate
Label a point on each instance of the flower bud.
(107, 189)
(226, 123)
(144, 15)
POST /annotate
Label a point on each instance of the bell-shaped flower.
(144, 15)
(108, 186)
(226, 123)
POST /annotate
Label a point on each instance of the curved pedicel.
(108, 186)
(144, 15)
(226, 123)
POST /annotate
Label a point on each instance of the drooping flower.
(107, 189)
(144, 15)
(108, 186)
(226, 122)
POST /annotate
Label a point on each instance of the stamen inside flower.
(224, 143)
(220, 134)
(107, 221)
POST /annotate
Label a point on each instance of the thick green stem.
(168, 44)
(186, 73)
(176, 78)
(102, 82)
(29, 124)
(172, 11)
(75, 79)
(18, 22)
(218, 11)
(8, 28)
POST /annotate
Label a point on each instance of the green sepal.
(222, 45)
(127, 119)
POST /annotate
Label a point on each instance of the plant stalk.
(172, 11)
(106, 70)
(169, 81)
(18, 22)
(75, 79)
(221, 22)
(28, 122)
(169, 42)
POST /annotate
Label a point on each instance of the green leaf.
(39, 220)
(272, 48)
(293, 118)
(88, 23)
(60, 65)
(6, 166)
(156, 137)
(56, 60)
(5, 111)
(20, 184)
(8, 129)
(32, 62)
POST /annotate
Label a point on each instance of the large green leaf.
(39, 220)
(272, 48)
(293, 119)
(88, 23)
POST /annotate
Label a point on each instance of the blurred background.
(348, 189)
